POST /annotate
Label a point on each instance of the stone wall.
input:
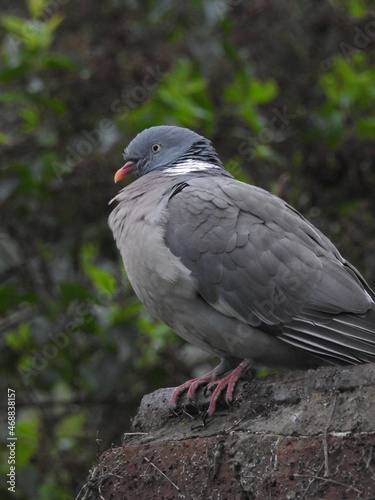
(296, 435)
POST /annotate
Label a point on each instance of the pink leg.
(229, 382)
(192, 385)
(212, 378)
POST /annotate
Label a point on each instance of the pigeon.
(232, 268)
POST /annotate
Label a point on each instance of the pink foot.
(213, 382)
(229, 382)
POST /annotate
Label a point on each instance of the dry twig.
(327, 480)
(162, 473)
(325, 441)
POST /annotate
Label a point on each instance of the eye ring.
(155, 148)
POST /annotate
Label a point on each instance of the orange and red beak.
(124, 171)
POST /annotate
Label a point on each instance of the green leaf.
(59, 61)
(265, 152)
(103, 280)
(31, 118)
(3, 138)
(262, 91)
(14, 24)
(54, 104)
(246, 88)
(71, 291)
(53, 23)
(29, 31)
(20, 339)
(71, 426)
(49, 490)
(356, 8)
(366, 128)
(33, 32)
(10, 97)
(36, 7)
(350, 94)
(157, 336)
(27, 432)
(234, 167)
(329, 126)
(180, 97)
(11, 296)
(247, 93)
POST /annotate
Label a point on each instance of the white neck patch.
(189, 166)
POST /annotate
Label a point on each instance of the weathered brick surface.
(270, 444)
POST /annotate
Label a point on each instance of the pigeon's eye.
(155, 148)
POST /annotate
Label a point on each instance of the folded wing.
(255, 258)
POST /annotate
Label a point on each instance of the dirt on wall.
(296, 435)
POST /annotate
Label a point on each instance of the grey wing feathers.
(255, 258)
(345, 337)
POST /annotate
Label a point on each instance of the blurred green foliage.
(356, 8)
(246, 93)
(77, 346)
(181, 98)
(349, 89)
(26, 54)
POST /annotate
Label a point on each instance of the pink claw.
(214, 382)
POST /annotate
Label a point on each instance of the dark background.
(285, 91)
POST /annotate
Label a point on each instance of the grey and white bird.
(232, 268)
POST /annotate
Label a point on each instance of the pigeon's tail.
(339, 340)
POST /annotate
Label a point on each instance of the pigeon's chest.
(158, 277)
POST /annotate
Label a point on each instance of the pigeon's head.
(174, 150)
